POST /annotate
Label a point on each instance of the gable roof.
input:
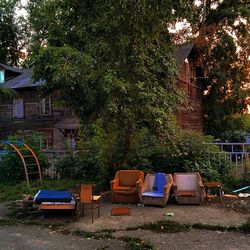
(182, 52)
(22, 81)
(9, 68)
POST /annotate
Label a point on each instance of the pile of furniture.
(129, 186)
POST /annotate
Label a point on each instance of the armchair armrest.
(167, 188)
(114, 184)
(139, 184)
(174, 186)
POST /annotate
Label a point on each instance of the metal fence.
(235, 154)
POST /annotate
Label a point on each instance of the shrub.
(12, 168)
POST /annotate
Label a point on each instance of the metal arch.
(12, 144)
(37, 162)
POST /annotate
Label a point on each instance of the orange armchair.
(126, 185)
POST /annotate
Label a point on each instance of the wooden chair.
(87, 200)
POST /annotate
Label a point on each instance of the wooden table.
(214, 184)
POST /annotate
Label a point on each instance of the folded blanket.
(159, 182)
(52, 196)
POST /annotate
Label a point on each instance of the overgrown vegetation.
(8, 191)
(136, 243)
(12, 169)
(162, 227)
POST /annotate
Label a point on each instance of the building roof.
(9, 68)
(182, 52)
(22, 81)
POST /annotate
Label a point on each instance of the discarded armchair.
(125, 186)
(188, 188)
(156, 189)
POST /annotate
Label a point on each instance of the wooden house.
(30, 112)
(190, 79)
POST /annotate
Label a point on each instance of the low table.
(213, 184)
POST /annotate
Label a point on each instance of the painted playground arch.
(20, 148)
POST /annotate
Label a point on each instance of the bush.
(12, 168)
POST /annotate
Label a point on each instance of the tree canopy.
(11, 33)
(222, 29)
(111, 60)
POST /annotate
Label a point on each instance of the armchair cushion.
(128, 178)
(123, 188)
(153, 194)
(159, 182)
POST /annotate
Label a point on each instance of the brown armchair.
(126, 185)
(188, 188)
(150, 196)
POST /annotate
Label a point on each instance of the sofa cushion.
(124, 188)
(186, 181)
(186, 193)
(128, 178)
(153, 194)
(126, 192)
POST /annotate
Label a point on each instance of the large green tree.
(112, 62)
(9, 33)
(221, 31)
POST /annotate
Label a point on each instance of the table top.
(212, 184)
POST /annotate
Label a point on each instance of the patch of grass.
(92, 235)
(136, 243)
(245, 227)
(209, 227)
(163, 227)
(9, 192)
(8, 222)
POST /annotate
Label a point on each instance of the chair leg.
(92, 208)
(98, 210)
(83, 210)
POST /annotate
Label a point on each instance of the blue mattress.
(52, 196)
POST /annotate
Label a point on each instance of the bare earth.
(33, 237)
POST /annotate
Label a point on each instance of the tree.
(220, 30)
(112, 62)
(9, 47)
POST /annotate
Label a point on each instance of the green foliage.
(223, 47)
(11, 32)
(12, 168)
(136, 243)
(116, 71)
(9, 192)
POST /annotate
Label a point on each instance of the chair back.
(86, 193)
(128, 178)
(186, 181)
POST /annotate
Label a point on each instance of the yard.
(208, 226)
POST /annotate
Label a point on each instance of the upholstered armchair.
(126, 185)
(188, 188)
(156, 189)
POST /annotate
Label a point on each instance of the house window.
(1, 76)
(45, 106)
(18, 109)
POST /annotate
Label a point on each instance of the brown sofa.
(188, 188)
(126, 185)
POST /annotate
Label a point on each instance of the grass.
(162, 227)
(136, 243)
(9, 192)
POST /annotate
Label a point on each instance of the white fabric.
(186, 181)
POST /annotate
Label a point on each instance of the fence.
(236, 154)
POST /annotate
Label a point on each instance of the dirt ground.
(213, 213)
